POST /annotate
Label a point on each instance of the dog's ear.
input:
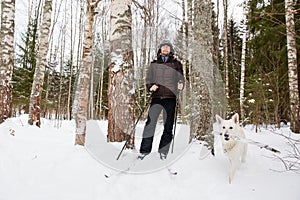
(235, 118)
(219, 119)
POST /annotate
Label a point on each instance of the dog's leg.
(245, 147)
(230, 173)
(234, 163)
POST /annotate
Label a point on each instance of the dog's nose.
(226, 136)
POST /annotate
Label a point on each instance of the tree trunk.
(60, 107)
(292, 66)
(99, 101)
(72, 41)
(101, 82)
(38, 80)
(225, 47)
(243, 60)
(83, 85)
(190, 38)
(120, 89)
(184, 44)
(202, 72)
(6, 57)
(79, 57)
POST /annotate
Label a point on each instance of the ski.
(134, 162)
(172, 172)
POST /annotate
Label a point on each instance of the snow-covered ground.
(43, 163)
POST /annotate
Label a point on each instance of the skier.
(164, 79)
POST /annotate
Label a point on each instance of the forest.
(87, 59)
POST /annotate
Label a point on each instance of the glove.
(153, 88)
(180, 85)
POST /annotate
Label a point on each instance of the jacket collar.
(160, 60)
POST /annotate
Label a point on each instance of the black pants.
(168, 108)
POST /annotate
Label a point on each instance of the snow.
(118, 61)
(43, 163)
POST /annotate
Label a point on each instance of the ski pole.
(131, 133)
(176, 112)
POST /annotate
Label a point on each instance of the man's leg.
(149, 129)
(166, 138)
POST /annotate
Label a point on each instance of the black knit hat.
(166, 42)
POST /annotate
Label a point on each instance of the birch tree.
(292, 66)
(120, 88)
(81, 28)
(83, 85)
(72, 42)
(38, 80)
(243, 59)
(225, 47)
(6, 57)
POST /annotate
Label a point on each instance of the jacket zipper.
(163, 93)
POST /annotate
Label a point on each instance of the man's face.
(165, 50)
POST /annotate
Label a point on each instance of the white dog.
(232, 134)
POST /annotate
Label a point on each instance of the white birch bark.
(72, 42)
(225, 46)
(292, 66)
(6, 57)
(38, 80)
(243, 59)
(62, 47)
(79, 57)
(121, 88)
(83, 85)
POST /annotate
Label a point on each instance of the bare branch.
(291, 159)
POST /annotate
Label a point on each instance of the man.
(164, 79)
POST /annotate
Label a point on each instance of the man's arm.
(150, 82)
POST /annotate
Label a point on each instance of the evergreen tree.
(102, 83)
(24, 68)
(267, 83)
(234, 46)
(234, 60)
